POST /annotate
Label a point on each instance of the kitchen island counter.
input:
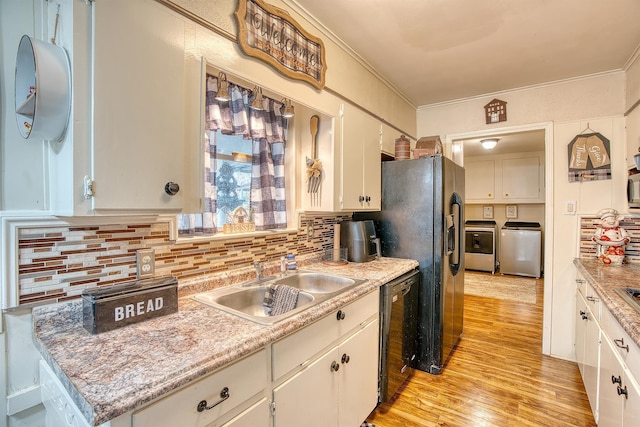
(605, 279)
(115, 372)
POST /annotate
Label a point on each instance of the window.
(232, 174)
(243, 162)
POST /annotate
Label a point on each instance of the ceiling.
(520, 142)
(440, 50)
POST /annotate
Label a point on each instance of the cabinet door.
(359, 376)
(591, 352)
(310, 398)
(255, 416)
(353, 122)
(631, 405)
(388, 137)
(138, 106)
(581, 326)
(521, 178)
(480, 180)
(609, 402)
(361, 168)
(372, 177)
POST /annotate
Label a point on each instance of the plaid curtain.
(267, 129)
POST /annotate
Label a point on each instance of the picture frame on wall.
(511, 211)
(487, 212)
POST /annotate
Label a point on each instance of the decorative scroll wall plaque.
(273, 36)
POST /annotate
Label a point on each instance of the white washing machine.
(521, 249)
(480, 245)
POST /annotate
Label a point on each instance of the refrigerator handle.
(450, 235)
(455, 238)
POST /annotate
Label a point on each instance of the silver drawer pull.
(580, 281)
(592, 299)
(224, 395)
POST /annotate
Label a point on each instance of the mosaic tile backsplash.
(57, 263)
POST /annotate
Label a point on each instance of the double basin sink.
(246, 300)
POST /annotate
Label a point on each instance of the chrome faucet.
(283, 266)
(258, 267)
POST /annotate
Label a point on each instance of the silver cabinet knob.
(171, 188)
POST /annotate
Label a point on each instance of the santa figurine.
(610, 237)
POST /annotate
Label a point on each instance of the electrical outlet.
(146, 262)
(309, 230)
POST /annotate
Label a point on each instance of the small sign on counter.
(111, 307)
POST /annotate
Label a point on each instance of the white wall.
(598, 96)
(597, 101)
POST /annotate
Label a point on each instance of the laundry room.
(505, 203)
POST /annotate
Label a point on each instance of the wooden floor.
(497, 376)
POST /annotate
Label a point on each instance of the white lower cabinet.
(587, 349)
(339, 388)
(619, 401)
(610, 404)
(358, 393)
(608, 360)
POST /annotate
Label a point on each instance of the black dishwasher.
(398, 330)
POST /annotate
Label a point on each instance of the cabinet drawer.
(244, 379)
(296, 349)
(616, 333)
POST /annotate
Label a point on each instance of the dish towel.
(278, 299)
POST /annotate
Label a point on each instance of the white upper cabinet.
(508, 178)
(480, 180)
(145, 109)
(361, 168)
(521, 178)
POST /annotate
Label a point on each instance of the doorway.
(525, 139)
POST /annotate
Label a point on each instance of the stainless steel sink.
(246, 300)
(319, 283)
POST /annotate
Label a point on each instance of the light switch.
(570, 207)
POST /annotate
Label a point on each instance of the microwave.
(633, 191)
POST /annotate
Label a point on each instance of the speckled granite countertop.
(604, 279)
(115, 372)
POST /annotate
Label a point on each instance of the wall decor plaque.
(273, 36)
(495, 111)
(589, 158)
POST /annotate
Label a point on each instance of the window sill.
(230, 236)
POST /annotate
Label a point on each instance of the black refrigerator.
(422, 218)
